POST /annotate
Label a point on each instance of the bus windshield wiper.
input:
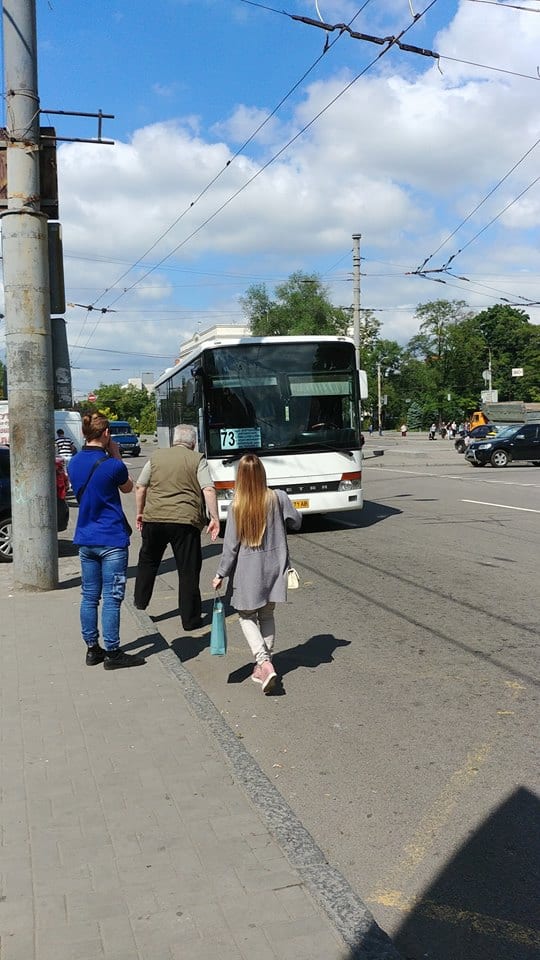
(240, 453)
(317, 445)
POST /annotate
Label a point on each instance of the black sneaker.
(94, 655)
(116, 659)
(195, 624)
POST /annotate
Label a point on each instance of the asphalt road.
(404, 735)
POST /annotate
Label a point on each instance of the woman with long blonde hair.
(256, 555)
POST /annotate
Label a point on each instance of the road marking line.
(480, 923)
(437, 817)
(451, 476)
(503, 506)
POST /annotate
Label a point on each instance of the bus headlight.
(350, 481)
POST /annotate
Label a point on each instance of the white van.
(71, 423)
(68, 420)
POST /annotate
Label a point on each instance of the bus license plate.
(301, 504)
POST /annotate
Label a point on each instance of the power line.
(276, 155)
(485, 66)
(483, 230)
(124, 353)
(204, 191)
(209, 219)
(233, 158)
(512, 6)
(478, 205)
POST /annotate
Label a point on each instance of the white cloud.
(401, 157)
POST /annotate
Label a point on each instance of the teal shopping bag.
(218, 635)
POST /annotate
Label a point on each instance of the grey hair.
(186, 434)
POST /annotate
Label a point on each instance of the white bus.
(294, 401)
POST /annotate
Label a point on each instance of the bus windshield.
(280, 397)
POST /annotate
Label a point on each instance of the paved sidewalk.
(415, 450)
(134, 825)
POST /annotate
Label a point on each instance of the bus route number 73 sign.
(240, 438)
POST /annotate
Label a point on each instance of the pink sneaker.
(256, 675)
(268, 675)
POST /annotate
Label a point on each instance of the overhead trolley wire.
(511, 6)
(274, 157)
(477, 207)
(392, 41)
(229, 162)
(209, 185)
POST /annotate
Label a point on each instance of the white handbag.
(293, 580)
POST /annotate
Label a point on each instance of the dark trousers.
(185, 541)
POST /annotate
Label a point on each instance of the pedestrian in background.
(256, 556)
(403, 429)
(65, 448)
(173, 493)
(98, 475)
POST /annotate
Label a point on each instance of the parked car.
(124, 436)
(520, 442)
(62, 509)
(477, 433)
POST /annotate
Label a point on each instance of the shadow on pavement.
(147, 645)
(314, 652)
(484, 904)
(187, 647)
(372, 512)
(67, 549)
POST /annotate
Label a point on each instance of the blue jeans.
(103, 571)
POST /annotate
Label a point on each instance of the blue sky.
(402, 155)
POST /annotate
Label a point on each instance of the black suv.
(512, 443)
(6, 543)
(477, 433)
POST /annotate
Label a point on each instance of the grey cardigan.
(259, 573)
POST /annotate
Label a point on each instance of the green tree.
(513, 341)
(433, 345)
(109, 395)
(531, 365)
(301, 307)
(389, 355)
(414, 416)
(124, 403)
(148, 417)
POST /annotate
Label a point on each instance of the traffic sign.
(92, 398)
(517, 371)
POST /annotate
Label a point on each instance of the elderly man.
(173, 493)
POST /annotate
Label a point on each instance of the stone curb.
(344, 908)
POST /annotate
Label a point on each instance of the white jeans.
(259, 629)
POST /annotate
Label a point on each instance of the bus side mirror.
(363, 385)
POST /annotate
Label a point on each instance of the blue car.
(122, 433)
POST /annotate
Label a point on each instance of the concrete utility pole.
(356, 295)
(27, 309)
